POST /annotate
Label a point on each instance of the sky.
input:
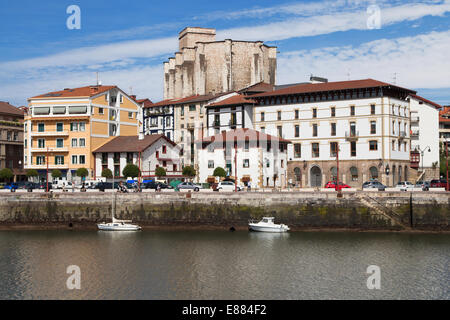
(401, 42)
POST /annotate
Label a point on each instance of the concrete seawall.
(355, 210)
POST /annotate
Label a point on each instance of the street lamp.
(422, 154)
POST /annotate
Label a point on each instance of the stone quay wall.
(306, 210)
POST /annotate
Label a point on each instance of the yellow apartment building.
(62, 128)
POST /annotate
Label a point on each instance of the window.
(280, 131)
(217, 120)
(211, 147)
(372, 109)
(296, 114)
(100, 110)
(104, 158)
(74, 160)
(404, 146)
(59, 160)
(59, 127)
(130, 115)
(74, 142)
(164, 149)
(333, 149)
(15, 136)
(82, 159)
(282, 163)
(373, 145)
(279, 115)
(393, 145)
(210, 164)
(121, 98)
(129, 157)
(314, 112)
(41, 143)
(333, 111)
(168, 122)
(373, 127)
(82, 126)
(393, 127)
(25, 143)
(354, 173)
(246, 144)
(333, 129)
(263, 129)
(59, 143)
(315, 150)
(297, 131)
(192, 108)
(246, 163)
(352, 110)
(182, 111)
(353, 148)
(314, 130)
(41, 127)
(40, 160)
(353, 129)
(262, 116)
(82, 142)
(297, 150)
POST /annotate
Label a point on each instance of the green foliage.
(82, 172)
(219, 172)
(106, 173)
(160, 172)
(32, 173)
(6, 173)
(56, 173)
(131, 171)
(189, 171)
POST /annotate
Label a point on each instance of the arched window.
(333, 172)
(373, 173)
(354, 173)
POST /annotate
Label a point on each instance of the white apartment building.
(424, 137)
(148, 153)
(246, 154)
(368, 121)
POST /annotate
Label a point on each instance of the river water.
(223, 265)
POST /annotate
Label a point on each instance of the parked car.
(374, 185)
(441, 183)
(226, 186)
(29, 185)
(153, 185)
(189, 186)
(2, 185)
(424, 185)
(59, 184)
(43, 185)
(332, 185)
(404, 186)
(11, 185)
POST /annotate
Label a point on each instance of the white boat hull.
(273, 229)
(117, 227)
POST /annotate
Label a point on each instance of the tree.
(56, 173)
(219, 172)
(107, 173)
(189, 171)
(6, 173)
(160, 172)
(130, 170)
(82, 173)
(32, 173)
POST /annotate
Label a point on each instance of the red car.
(442, 183)
(332, 185)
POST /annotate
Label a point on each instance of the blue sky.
(127, 41)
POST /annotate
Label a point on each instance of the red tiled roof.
(162, 103)
(241, 135)
(88, 91)
(258, 87)
(145, 102)
(234, 100)
(328, 86)
(438, 106)
(6, 108)
(131, 143)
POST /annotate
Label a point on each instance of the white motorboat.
(117, 225)
(267, 225)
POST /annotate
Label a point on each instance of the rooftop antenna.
(97, 78)
(395, 78)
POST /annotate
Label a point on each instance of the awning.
(59, 110)
(41, 110)
(78, 110)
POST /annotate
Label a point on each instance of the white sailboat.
(116, 224)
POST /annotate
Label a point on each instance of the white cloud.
(420, 62)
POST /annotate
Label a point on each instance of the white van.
(58, 184)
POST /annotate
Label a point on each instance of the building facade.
(444, 124)
(249, 155)
(205, 66)
(63, 128)
(147, 153)
(11, 139)
(366, 121)
(424, 138)
(159, 118)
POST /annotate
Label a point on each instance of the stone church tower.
(206, 66)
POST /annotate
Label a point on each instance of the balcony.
(414, 133)
(50, 134)
(415, 119)
(44, 166)
(44, 150)
(351, 135)
(402, 135)
(190, 126)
